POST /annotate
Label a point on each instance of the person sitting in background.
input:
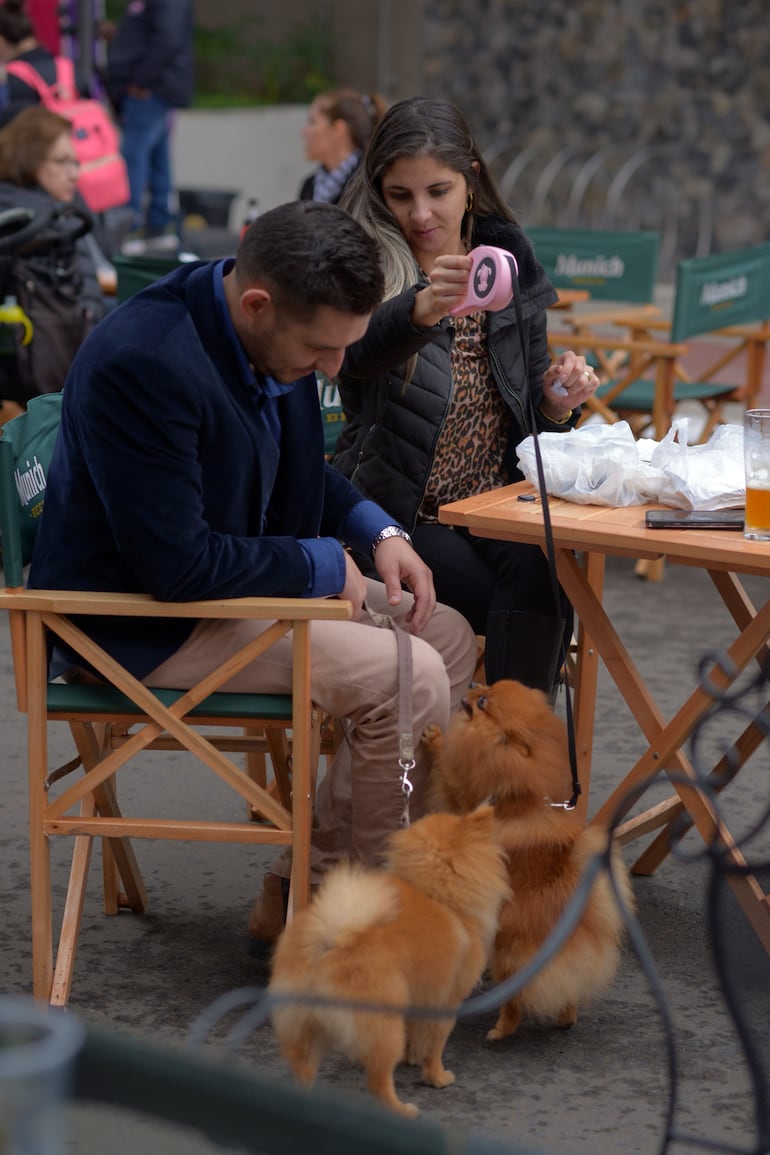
(436, 404)
(339, 126)
(53, 275)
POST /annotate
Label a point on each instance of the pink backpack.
(103, 180)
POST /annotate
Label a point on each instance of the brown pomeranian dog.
(417, 933)
(506, 744)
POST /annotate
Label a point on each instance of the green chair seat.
(78, 698)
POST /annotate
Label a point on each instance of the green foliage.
(236, 65)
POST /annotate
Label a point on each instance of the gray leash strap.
(406, 762)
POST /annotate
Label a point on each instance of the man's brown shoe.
(268, 914)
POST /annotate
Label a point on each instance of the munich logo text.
(599, 266)
(30, 483)
(715, 292)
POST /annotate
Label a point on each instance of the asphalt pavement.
(602, 1087)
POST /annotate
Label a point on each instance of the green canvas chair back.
(26, 448)
(331, 411)
(721, 290)
(135, 273)
(612, 265)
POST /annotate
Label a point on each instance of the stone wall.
(622, 113)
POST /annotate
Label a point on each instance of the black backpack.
(42, 322)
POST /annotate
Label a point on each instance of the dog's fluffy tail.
(351, 900)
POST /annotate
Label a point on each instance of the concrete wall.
(668, 99)
(256, 152)
(658, 111)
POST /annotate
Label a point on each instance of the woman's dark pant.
(505, 592)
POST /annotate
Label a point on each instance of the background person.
(339, 126)
(18, 42)
(216, 486)
(149, 73)
(54, 276)
(435, 404)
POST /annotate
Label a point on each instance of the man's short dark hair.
(311, 254)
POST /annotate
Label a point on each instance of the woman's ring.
(587, 374)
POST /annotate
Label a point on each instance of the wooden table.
(594, 532)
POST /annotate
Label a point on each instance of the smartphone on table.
(694, 519)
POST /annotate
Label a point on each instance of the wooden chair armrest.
(760, 331)
(570, 297)
(628, 345)
(643, 314)
(142, 605)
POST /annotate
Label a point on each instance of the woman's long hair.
(410, 128)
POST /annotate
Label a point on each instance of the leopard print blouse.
(472, 441)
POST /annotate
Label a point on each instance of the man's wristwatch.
(389, 531)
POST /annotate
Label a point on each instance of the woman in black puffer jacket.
(436, 404)
(51, 268)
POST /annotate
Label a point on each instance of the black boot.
(526, 647)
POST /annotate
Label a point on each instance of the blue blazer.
(160, 479)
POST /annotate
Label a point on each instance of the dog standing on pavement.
(417, 933)
(506, 744)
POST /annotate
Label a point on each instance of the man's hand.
(399, 564)
(354, 589)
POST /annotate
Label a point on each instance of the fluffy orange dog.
(507, 744)
(417, 933)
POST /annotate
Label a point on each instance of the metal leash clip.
(407, 786)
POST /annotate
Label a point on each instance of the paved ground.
(600, 1088)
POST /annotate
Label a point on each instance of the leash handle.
(406, 761)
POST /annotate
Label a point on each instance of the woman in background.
(39, 172)
(339, 126)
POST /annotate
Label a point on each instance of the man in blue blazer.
(190, 465)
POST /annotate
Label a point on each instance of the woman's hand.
(448, 285)
(566, 384)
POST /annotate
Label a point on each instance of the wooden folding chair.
(119, 718)
(723, 299)
(613, 266)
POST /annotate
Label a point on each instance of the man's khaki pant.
(359, 801)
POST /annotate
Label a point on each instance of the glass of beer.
(756, 453)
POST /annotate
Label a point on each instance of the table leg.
(742, 610)
(667, 739)
(668, 812)
(585, 684)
